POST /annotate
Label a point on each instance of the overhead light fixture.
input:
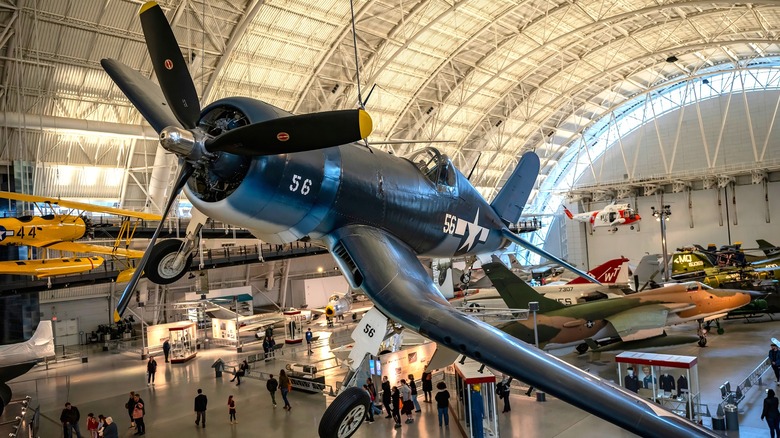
(705, 81)
(671, 59)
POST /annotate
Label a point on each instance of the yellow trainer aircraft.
(61, 231)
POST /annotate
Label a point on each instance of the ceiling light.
(671, 59)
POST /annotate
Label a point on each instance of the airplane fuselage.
(579, 322)
(287, 197)
(50, 228)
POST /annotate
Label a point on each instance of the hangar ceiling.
(496, 77)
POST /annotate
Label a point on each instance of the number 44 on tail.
(368, 335)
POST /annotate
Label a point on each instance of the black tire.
(582, 348)
(721, 330)
(161, 257)
(345, 414)
(702, 341)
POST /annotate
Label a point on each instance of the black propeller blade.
(295, 133)
(169, 65)
(185, 171)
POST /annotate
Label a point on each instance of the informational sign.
(368, 335)
(399, 365)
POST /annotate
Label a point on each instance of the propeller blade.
(184, 174)
(142, 92)
(295, 133)
(533, 248)
(169, 65)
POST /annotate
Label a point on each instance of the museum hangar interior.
(659, 110)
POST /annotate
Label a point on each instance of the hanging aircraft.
(18, 358)
(288, 177)
(635, 321)
(613, 276)
(340, 305)
(61, 232)
(612, 216)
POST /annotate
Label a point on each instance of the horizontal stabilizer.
(511, 199)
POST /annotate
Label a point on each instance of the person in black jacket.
(272, 385)
(774, 361)
(70, 420)
(631, 381)
(395, 398)
(386, 397)
(151, 370)
(427, 386)
(200, 407)
(771, 413)
(130, 405)
(110, 430)
(443, 403)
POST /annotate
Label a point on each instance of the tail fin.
(607, 273)
(568, 213)
(514, 291)
(510, 201)
(647, 271)
(769, 249)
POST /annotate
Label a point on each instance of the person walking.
(151, 370)
(395, 397)
(504, 389)
(413, 387)
(232, 410)
(266, 348)
(201, 401)
(427, 386)
(285, 386)
(271, 345)
(70, 421)
(774, 361)
(129, 406)
(110, 430)
(406, 401)
(387, 397)
(272, 385)
(166, 349)
(443, 403)
(139, 410)
(309, 337)
(771, 413)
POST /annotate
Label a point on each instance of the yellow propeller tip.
(146, 6)
(117, 318)
(366, 124)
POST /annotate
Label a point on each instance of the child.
(92, 425)
(232, 410)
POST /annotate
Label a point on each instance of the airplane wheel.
(721, 330)
(345, 415)
(474, 307)
(158, 269)
(465, 278)
(702, 342)
(582, 348)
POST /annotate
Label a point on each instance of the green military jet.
(635, 321)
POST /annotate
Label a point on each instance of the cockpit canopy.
(436, 166)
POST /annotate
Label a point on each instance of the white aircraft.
(612, 274)
(612, 216)
(17, 359)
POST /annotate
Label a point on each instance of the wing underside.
(388, 271)
(644, 322)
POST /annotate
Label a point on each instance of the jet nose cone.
(330, 311)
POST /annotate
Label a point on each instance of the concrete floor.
(101, 386)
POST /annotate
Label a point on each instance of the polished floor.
(101, 386)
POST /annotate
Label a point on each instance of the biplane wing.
(89, 248)
(80, 206)
(51, 267)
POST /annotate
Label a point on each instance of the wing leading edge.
(388, 271)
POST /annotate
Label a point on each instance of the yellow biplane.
(61, 232)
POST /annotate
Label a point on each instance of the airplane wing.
(389, 273)
(645, 321)
(88, 248)
(80, 206)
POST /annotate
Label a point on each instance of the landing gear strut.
(702, 334)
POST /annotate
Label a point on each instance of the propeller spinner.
(179, 103)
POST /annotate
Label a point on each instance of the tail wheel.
(345, 415)
(582, 348)
(159, 269)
